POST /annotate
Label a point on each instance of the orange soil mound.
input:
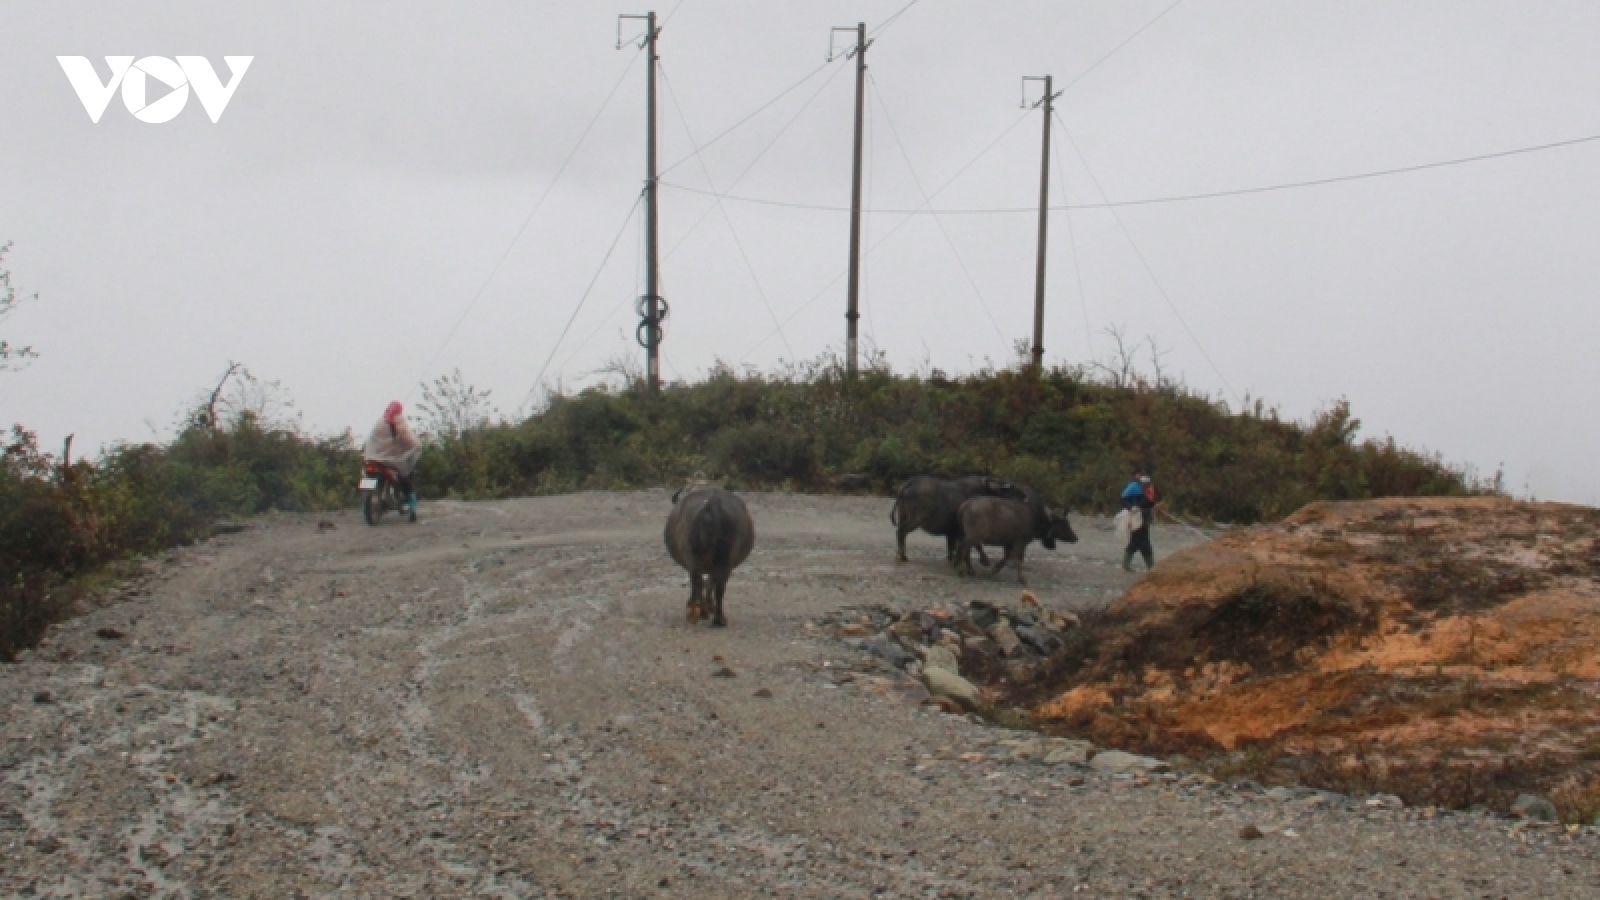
(1444, 649)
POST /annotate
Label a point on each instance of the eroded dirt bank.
(504, 702)
(1445, 650)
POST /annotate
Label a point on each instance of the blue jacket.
(1133, 496)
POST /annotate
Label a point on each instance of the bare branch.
(1022, 353)
(625, 366)
(451, 407)
(1156, 356)
(1121, 370)
(209, 418)
(11, 358)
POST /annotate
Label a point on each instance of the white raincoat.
(394, 446)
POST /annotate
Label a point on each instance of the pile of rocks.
(951, 647)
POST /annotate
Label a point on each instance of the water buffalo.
(933, 505)
(1008, 523)
(709, 533)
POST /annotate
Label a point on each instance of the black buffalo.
(709, 532)
(1008, 523)
(934, 505)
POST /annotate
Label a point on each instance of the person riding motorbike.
(392, 444)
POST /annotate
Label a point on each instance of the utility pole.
(1048, 103)
(852, 312)
(652, 308)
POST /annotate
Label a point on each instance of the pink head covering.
(391, 412)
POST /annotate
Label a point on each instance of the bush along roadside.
(62, 522)
(1071, 435)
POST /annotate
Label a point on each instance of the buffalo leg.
(1021, 551)
(1001, 563)
(719, 581)
(951, 542)
(696, 593)
(900, 543)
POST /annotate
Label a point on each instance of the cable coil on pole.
(651, 328)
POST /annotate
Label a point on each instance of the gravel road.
(503, 701)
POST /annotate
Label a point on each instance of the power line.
(627, 303)
(732, 232)
(871, 179)
(1077, 261)
(1149, 270)
(753, 113)
(884, 25)
(1338, 179)
(763, 201)
(586, 292)
(895, 133)
(533, 212)
(572, 354)
(783, 93)
(901, 224)
(981, 154)
(1125, 42)
(1176, 198)
(673, 12)
(758, 157)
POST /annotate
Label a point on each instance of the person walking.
(1139, 499)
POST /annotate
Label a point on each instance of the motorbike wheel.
(371, 506)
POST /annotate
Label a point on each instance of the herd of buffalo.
(709, 531)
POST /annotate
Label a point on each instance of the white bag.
(1123, 525)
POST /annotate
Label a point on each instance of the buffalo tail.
(711, 534)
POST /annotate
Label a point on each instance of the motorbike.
(380, 493)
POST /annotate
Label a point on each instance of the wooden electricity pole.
(1048, 103)
(653, 309)
(853, 310)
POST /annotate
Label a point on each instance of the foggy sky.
(378, 158)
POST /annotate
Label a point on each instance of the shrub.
(763, 451)
(58, 522)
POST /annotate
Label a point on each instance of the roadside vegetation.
(1073, 433)
(60, 523)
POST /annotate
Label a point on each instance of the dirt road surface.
(503, 701)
